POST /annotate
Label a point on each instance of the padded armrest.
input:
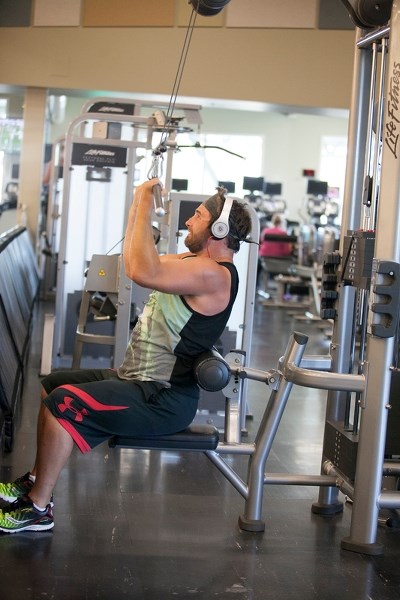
(194, 437)
(211, 371)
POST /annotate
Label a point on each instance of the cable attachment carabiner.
(156, 170)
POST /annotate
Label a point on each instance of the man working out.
(153, 391)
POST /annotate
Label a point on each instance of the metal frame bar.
(368, 497)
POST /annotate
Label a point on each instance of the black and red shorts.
(95, 404)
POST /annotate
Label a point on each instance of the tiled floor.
(151, 525)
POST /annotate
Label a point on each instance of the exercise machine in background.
(107, 149)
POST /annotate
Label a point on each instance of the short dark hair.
(239, 218)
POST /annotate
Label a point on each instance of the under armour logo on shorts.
(67, 405)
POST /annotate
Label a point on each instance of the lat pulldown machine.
(364, 277)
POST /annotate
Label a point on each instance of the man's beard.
(196, 243)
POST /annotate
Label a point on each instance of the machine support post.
(383, 320)
(251, 519)
(328, 501)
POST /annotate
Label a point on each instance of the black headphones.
(220, 227)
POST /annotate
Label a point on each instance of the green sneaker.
(18, 488)
(23, 516)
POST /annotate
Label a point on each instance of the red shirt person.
(274, 248)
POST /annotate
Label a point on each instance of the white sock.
(32, 478)
(38, 507)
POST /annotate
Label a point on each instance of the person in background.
(273, 248)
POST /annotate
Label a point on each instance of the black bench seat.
(194, 437)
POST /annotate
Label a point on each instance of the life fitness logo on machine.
(392, 129)
(98, 156)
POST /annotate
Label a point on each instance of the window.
(333, 162)
(3, 108)
(208, 158)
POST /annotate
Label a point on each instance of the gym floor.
(154, 525)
